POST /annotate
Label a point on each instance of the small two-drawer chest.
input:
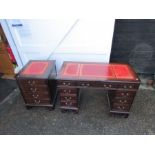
(37, 82)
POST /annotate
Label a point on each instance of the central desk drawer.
(66, 83)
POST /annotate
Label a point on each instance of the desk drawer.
(121, 107)
(69, 104)
(68, 91)
(121, 101)
(127, 94)
(128, 85)
(68, 98)
(66, 83)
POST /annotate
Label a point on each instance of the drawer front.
(37, 101)
(39, 96)
(86, 84)
(68, 91)
(68, 98)
(66, 83)
(108, 85)
(122, 101)
(34, 89)
(128, 86)
(127, 94)
(69, 103)
(98, 84)
(121, 107)
(26, 82)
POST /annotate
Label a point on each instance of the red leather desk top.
(97, 71)
(36, 68)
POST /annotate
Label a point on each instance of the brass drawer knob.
(69, 84)
(122, 94)
(125, 86)
(88, 84)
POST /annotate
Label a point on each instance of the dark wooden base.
(30, 106)
(69, 109)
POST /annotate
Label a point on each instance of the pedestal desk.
(37, 82)
(120, 81)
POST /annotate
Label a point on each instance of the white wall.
(76, 40)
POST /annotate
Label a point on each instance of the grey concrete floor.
(93, 117)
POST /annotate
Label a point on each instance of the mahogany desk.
(120, 81)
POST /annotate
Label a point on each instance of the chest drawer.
(33, 89)
(31, 82)
(37, 101)
(40, 95)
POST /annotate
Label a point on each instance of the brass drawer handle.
(68, 98)
(121, 107)
(37, 101)
(33, 90)
(35, 96)
(31, 82)
(66, 84)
